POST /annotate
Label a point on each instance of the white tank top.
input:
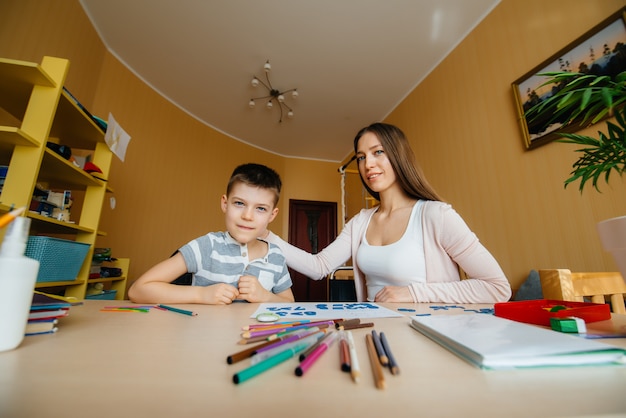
(396, 264)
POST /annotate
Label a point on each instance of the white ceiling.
(352, 61)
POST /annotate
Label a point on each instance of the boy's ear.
(224, 203)
(274, 213)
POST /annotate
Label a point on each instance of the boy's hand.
(219, 294)
(251, 290)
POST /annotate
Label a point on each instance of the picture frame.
(602, 49)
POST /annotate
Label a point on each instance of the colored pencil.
(7, 218)
(382, 357)
(274, 325)
(279, 332)
(315, 354)
(355, 370)
(263, 366)
(377, 369)
(178, 310)
(252, 340)
(393, 365)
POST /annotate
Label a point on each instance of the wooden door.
(312, 226)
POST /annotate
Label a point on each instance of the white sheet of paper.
(326, 310)
(116, 138)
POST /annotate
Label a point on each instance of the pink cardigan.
(448, 244)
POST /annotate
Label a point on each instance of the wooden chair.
(562, 284)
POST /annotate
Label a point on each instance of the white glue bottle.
(18, 275)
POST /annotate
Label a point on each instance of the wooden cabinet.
(34, 110)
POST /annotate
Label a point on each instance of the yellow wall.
(462, 124)
(461, 121)
(168, 188)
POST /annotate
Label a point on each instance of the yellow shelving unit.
(35, 109)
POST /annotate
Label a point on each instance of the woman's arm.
(317, 266)
(449, 243)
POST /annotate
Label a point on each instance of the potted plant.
(585, 99)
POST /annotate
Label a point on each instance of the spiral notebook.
(491, 342)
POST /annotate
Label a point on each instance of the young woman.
(410, 247)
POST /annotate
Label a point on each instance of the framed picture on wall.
(600, 51)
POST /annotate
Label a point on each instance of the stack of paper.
(491, 342)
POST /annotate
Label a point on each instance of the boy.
(232, 265)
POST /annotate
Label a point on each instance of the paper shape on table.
(116, 138)
(327, 310)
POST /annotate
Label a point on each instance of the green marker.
(267, 364)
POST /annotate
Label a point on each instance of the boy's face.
(248, 211)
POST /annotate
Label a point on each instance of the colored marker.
(315, 354)
(265, 365)
(355, 370)
(307, 342)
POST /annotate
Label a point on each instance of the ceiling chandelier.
(274, 96)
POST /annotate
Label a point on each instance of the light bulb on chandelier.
(273, 94)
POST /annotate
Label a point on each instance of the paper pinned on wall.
(116, 138)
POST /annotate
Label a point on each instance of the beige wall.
(461, 121)
(462, 124)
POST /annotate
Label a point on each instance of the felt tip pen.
(181, 311)
(307, 342)
(267, 364)
(315, 354)
(296, 335)
(344, 352)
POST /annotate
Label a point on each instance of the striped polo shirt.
(217, 258)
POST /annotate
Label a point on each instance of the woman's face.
(374, 165)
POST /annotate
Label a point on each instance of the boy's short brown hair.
(256, 175)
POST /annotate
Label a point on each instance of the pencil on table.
(377, 369)
(382, 356)
(393, 365)
(177, 310)
(354, 360)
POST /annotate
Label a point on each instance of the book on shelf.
(491, 342)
